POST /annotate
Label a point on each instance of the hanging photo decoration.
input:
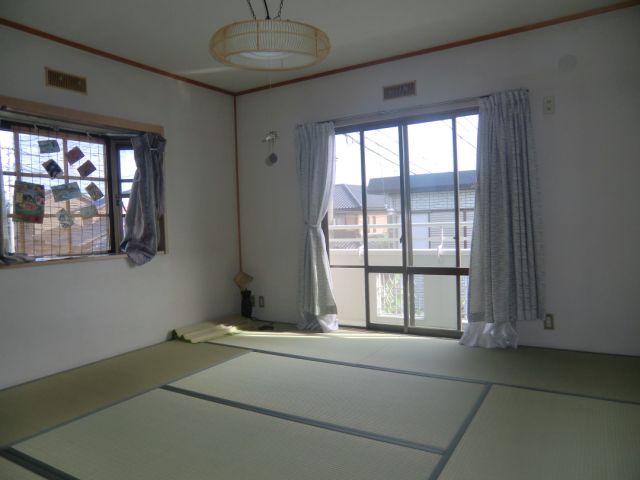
(74, 155)
(52, 168)
(28, 202)
(89, 211)
(65, 219)
(86, 169)
(66, 191)
(48, 146)
(94, 191)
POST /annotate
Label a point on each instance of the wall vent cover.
(402, 90)
(64, 80)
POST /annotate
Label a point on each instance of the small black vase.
(245, 306)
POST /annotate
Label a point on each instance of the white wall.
(58, 317)
(587, 153)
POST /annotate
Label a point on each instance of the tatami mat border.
(459, 434)
(304, 420)
(429, 375)
(356, 365)
(34, 465)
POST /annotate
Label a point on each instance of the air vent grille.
(401, 90)
(66, 81)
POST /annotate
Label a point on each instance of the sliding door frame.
(406, 270)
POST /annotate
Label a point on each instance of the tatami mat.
(522, 434)
(606, 376)
(426, 411)
(344, 348)
(36, 406)
(11, 471)
(166, 436)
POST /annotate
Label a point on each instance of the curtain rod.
(380, 113)
(13, 115)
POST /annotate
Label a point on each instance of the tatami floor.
(285, 405)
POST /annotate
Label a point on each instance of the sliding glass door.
(400, 224)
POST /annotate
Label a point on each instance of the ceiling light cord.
(253, 14)
(266, 7)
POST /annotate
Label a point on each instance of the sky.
(430, 150)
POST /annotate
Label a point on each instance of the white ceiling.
(173, 35)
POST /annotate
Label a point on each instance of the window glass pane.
(345, 210)
(124, 204)
(72, 223)
(125, 187)
(348, 290)
(386, 302)
(90, 235)
(434, 301)
(466, 142)
(431, 188)
(5, 210)
(382, 165)
(127, 164)
(94, 153)
(7, 156)
(127, 173)
(30, 158)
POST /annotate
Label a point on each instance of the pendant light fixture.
(271, 44)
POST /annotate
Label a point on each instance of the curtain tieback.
(313, 225)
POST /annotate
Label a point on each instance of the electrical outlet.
(549, 105)
(549, 322)
(261, 301)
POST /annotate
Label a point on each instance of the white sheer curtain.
(7, 257)
(4, 224)
(315, 151)
(506, 271)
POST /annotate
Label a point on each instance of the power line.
(465, 123)
(387, 159)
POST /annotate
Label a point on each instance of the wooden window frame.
(34, 131)
(59, 115)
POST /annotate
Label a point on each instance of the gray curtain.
(146, 205)
(315, 152)
(506, 271)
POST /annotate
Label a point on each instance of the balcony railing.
(387, 235)
(434, 297)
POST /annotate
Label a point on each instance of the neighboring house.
(345, 218)
(432, 206)
(432, 239)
